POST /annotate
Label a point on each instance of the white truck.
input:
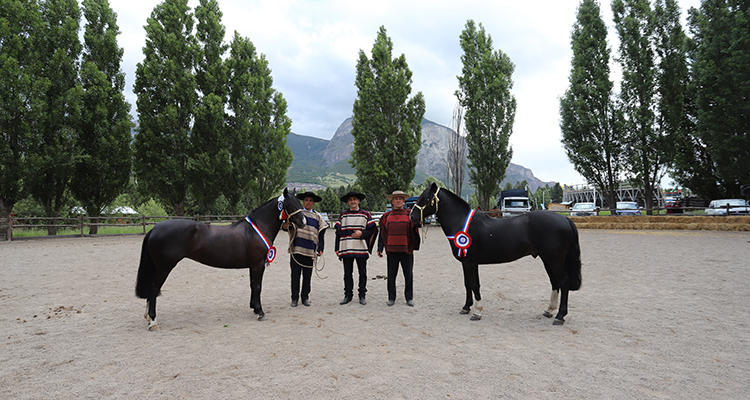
(514, 202)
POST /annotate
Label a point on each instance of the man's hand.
(357, 234)
(380, 254)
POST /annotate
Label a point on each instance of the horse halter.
(282, 210)
(433, 202)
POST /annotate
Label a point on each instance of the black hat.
(346, 197)
(315, 197)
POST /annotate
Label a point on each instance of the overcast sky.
(313, 46)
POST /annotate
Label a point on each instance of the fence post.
(143, 221)
(81, 225)
(9, 233)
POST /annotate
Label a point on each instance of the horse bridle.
(433, 202)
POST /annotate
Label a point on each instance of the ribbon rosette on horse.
(462, 240)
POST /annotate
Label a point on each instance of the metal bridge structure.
(588, 194)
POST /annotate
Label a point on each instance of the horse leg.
(151, 314)
(471, 281)
(469, 299)
(560, 317)
(552, 304)
(256, 280)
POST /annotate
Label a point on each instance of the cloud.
(312, 48)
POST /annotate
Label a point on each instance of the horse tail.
(573, 260)
(144, 284)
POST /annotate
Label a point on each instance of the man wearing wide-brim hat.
(355, 235)
(306, 244)
(399, 237)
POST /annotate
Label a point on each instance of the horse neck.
(452, 212)
(266, 218)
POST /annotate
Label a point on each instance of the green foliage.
(102, 170)
(386, 123)
(151, 208)
(490, 109)
(257, 130)
(589, 118)
(208, 162)
(20, 90)
(330, 202)
(713, 152)
(556, 193)
(652, 56)
(416, 190)
(52, 150)
(166, 90)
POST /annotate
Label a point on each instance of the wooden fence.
(82, 224)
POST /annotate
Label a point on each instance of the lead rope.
(293, 234)
(434, 202)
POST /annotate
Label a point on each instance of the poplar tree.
(20, 90)
(589, 119)
(490, 108)
(52, 151)
(712, 157)
(386, 123)
(166, 89)
(102, 170)
(208, 163)
(257, 127)
(652, 56)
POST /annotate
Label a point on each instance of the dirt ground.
(661, 314)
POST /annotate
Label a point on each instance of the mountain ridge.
(323, 162)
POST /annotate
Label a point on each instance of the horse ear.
(433, 187)
(286, 192)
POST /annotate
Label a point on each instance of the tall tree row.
(712, 155)
(386, 123)
(65, 123)
(490, 109)
(590, 120)
(208, 126)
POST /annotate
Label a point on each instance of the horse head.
(293, 209)
(426, 205)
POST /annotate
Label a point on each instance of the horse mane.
(254, 211)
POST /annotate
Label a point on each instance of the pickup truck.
(514, 202)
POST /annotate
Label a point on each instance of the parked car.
(627, 208)
(584, 209)
(736, 206)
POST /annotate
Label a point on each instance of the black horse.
(476, 238)
(247, 243)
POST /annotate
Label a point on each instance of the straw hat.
(397, 193)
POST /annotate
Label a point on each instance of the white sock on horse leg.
(553, 300)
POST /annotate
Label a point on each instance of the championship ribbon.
(271, 255)
(462, 240)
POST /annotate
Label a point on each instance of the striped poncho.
(347, 224)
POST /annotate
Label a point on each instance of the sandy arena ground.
(661, 314)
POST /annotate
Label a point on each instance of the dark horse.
(476, 238)
(247, 243)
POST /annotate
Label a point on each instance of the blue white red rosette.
(462, 240)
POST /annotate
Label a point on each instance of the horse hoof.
(464, 311)
(547, 314)
(261, 317)
(475, 317)
(558, 321)
(153, 326)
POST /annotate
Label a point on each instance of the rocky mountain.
(317, 161)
